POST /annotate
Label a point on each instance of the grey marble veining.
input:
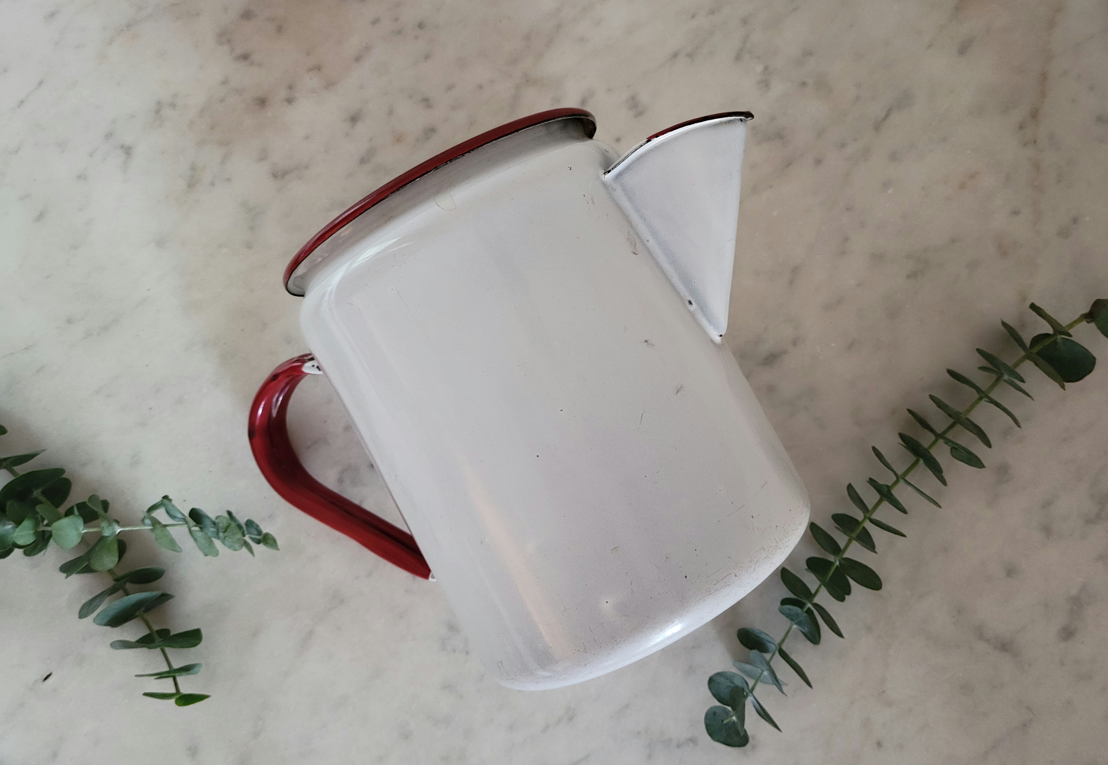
(915, 172)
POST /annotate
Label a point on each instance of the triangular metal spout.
(680, 190)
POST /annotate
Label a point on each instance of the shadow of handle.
(269, 440)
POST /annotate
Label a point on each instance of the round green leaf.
(723, 684)
(762, 711)
(768, 674)
(756, 640)
(1071, 360)
(188, 699)
(88, 608)
(68, 531)
(104, 554)
(270, 541)
(24, 486)
(129, 607)
(860, 573)
(7, 534)
(144, 575)
(165, 674)
(793, 610)
(827, 619)
(57, 492)
(1098, 315)
(723, 726)
(795, 585)
(203, 541)
(42, 540)
(796, 667)
(832, 577)
(26, 532)
(186, 639)
(162, 537)
(824, 539)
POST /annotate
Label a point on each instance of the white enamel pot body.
(527, 340)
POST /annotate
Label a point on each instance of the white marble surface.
(915, 173)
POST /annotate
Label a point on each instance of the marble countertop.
(914, 174)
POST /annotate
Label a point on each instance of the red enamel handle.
(269, 440)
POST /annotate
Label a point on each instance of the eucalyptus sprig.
(32, 518)
(1056, 354)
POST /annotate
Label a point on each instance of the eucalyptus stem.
(852, 537)
(32, 519)
(1056, 354)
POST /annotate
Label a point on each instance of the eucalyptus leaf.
(881, 458)
(232, 537)
(755, 640)
(123, 645)
(1012, 333)
(186, 639)
(832, 578)
(144, 575)
(768, 674)
(726, 727)
(796, 586)
(237, 523)
(188, 699)
(90, 606)
(923, 423)
(919, 491)
(1014, 386)
(129, 607)
(919, 451)
(886, 527)
(795, 666)
(886, 493)
(18, 459)
(754, 673)
(19, 511)
(7, 533)
(78, 565)
(965, 456)
(42, 541)
(962, 420)
(853, 528)
(860, 573)
(56, 492)
(186, 669)
(1045, 367)
(762, 712)
(153, 694)
(203, 541)
(856, 498)
(827, 619)
(254, 532)
(723, 684)
(24, 486)
(205, 522)
(1058, 327)
(1072, 361)
(170, 509)
(25, 533)
(824, 539)
(1098, 315)
(68, 531)
(794, 611)
(162, 536)
(1002, 367)
(104, 554)
(270, 541)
